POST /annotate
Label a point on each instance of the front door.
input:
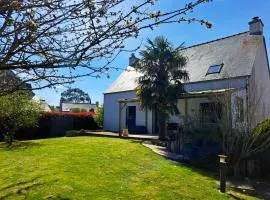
(131, 117)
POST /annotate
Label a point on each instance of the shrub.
(205, 134)
(75, 110)
(241, 146)
(99, 116)
(74, 133)
(263, 128)
(17, 111)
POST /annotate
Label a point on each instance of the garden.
(98, 168)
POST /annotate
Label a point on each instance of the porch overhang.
(206, 93)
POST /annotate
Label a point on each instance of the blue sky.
(228, 17)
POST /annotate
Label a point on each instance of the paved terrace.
(116, 135)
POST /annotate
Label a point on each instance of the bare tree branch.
(53, 42)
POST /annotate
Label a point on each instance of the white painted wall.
(111, 105)
(111, 109)
(150, 121)
(111, 112)
(259, 90)
(243, 95)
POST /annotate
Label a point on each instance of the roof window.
(214, 69)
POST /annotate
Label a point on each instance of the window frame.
(210, 112)
(240, 115)
(213, 66)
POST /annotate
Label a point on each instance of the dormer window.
(214, 69)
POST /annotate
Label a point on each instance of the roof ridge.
(214, 40)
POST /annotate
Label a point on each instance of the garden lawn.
(97, 168)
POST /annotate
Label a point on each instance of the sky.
(227, 16)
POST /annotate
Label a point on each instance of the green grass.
(97, 168)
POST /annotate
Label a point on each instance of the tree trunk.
(162, 129)
(9, 138)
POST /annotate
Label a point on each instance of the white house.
(235, 67)
(44, 105)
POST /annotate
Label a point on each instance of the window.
(210, 112)
(214, 69)
(239, 109)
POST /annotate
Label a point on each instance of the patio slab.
(116, 135)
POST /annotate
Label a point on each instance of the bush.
(17, 111)
(205, 135)
(78, 110)
(75, 110)
(99, 116)
(241, 146)
(74, 133)
(263, 128)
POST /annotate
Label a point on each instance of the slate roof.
(236, 52)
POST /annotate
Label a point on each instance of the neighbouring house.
(43, 104)
(235, 67)
(67, 107)
(10, 81)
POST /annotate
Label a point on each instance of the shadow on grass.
(18, 145)
(136, 141)
(21, 188)
(58, 197)
(19, 184)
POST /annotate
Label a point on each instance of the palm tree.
(162, 68)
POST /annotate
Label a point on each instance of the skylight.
(214, 69)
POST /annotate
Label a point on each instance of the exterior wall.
(45, 107)
(150, 119)
(259, 90)
(236, 124)
(111, 112)
(43, 104)
(67, 106)
(215, 85)
(111, 109)
(192, 112)
(140, 116)
(111, 105)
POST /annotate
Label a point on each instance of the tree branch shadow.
(21, 188)
(19, 145)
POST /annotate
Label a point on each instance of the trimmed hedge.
(55, 124)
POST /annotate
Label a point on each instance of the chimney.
(97, 103)
(132, 60)
(256, 26)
